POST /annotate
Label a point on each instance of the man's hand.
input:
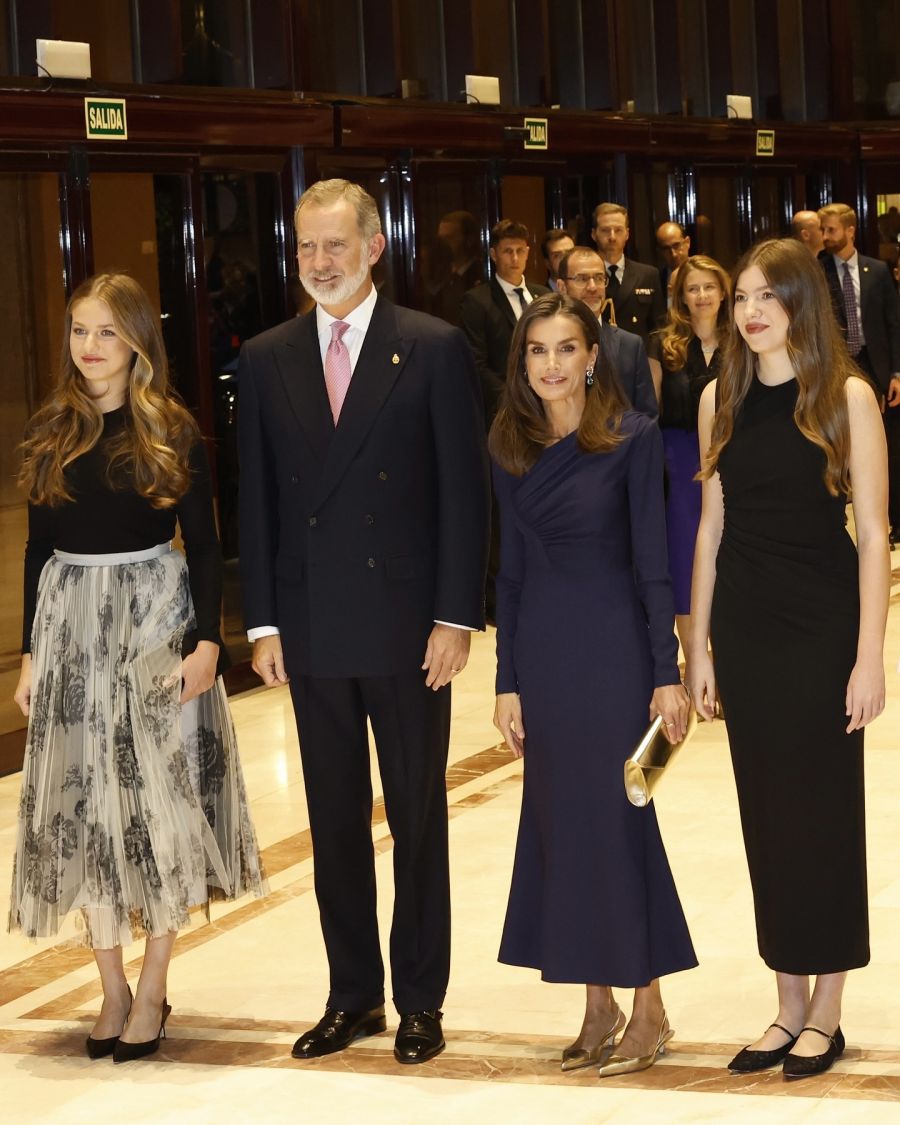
(268, 661)
(893, 392)
(446, 654)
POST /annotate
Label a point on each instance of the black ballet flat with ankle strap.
(747, 1061)
(804, 1066)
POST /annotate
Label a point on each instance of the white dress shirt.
(359, 320)
(513, 297)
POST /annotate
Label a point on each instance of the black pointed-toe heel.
(128, 1052)
(804, 1066)
(100, 1048)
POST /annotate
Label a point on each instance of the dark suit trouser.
(892, 432)
(411, 724)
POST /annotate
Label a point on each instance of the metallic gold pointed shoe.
(624, 1064)
(574, 1058)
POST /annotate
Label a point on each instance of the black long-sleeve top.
(102, 519)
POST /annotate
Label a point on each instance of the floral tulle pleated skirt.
(133, 810)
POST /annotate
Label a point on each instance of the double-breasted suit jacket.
(488, 321)
(640, 301)
(355, 539)
(880, 313)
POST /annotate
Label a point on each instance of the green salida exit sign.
(104, 119)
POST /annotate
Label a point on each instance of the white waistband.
(116, 558)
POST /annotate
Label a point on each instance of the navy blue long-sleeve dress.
(584, 634)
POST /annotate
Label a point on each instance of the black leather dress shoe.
(337, 1030)
(804, 1066)
(419, 1037)
(747, 1061)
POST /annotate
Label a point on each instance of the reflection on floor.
(244, 987)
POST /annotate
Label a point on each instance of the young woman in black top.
(133, 810)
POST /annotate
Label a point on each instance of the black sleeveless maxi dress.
(784, 630)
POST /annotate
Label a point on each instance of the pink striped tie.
(337, 368)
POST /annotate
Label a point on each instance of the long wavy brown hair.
(521, 430)
(152, 449)
(678, 330)
(816, 351)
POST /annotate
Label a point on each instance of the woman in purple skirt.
(689, 353)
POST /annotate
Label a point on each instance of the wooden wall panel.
(493, 26)
(566, 38)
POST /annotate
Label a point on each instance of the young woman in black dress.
(796, 616)
(133, 810)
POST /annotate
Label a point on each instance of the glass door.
(250, 284)
(33, 281)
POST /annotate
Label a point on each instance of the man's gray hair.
(326, 192)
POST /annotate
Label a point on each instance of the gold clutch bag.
(652, 756)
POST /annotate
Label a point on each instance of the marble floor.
(243, 987)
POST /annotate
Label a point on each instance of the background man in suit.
(582, 275)
(363, 539)
(488, 314)
(867, 308)
(674, 247)
(806, 227)
(454, 266)
(554, 244)
(635, 288)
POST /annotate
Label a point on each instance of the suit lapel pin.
(395, 359)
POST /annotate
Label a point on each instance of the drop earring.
(589, 376)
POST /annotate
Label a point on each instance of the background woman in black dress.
(796, 617)
(133, 808)
(689, 348)
(585, 655)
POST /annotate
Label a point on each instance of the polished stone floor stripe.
(669, 1075)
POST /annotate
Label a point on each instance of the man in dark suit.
(864, 298)
(364, 507)
(554, 244)
(806, 227)
(674, 247)
(867, 308)
(582, 275)
(635, 289)
(488, 313)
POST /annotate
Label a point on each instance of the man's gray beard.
(340, 293)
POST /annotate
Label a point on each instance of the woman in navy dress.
(586, 656)
(796, 616)
(689, 346)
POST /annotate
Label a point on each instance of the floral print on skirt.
(133, 808)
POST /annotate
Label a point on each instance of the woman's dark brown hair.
(816, 351)
(521, 430)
